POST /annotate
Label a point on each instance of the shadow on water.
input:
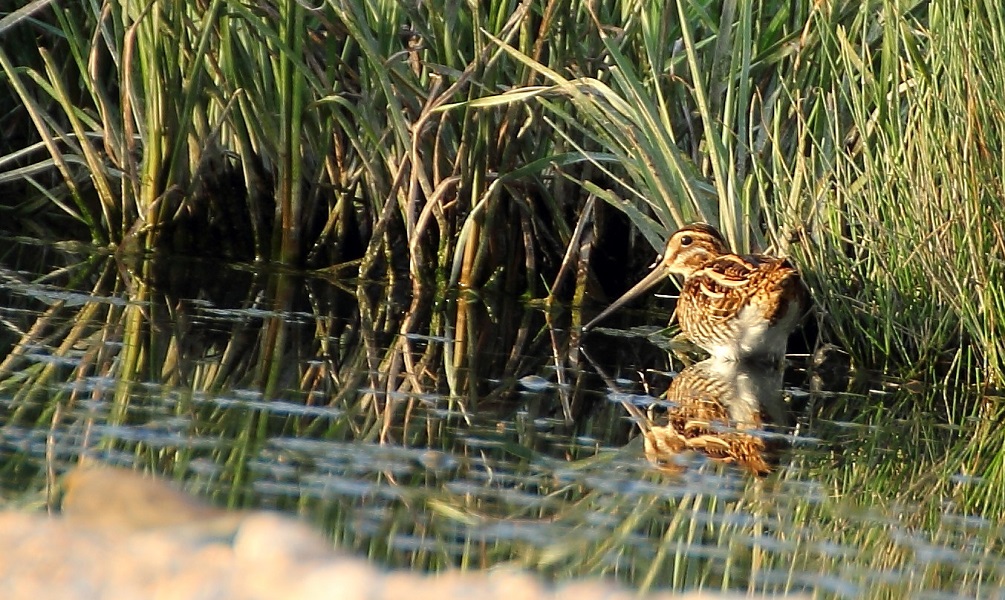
(478, 431)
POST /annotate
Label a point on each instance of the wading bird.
(734, 307)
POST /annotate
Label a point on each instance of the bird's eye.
(686, 240)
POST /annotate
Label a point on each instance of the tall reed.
(464, 147)
(894, 187)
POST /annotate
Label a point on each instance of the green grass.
(466, 147)
(868, 152)
(901, 198)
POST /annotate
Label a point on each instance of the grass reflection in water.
(483, 437)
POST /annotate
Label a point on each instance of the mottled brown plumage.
(718, 408)
(735, 307)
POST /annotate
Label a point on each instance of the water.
(477, 432)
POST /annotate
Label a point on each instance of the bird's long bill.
(657, 275)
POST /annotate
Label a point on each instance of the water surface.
(477, 431)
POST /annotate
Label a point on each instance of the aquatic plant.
(469, 148)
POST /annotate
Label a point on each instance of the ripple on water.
(518, 473)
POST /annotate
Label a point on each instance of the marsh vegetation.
(388, 191)
(491, 145)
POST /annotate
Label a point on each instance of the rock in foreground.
(126, 536)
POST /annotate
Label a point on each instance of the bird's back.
(737, 306)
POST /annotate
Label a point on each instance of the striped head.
(691, 247)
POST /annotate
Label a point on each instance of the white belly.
(756, 337)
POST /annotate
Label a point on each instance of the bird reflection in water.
(720, 409)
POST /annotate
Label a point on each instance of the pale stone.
(107, 497)
(127, 536)
(45, 557)
(344, 578)
(268, 537)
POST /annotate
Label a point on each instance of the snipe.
(734, 307)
